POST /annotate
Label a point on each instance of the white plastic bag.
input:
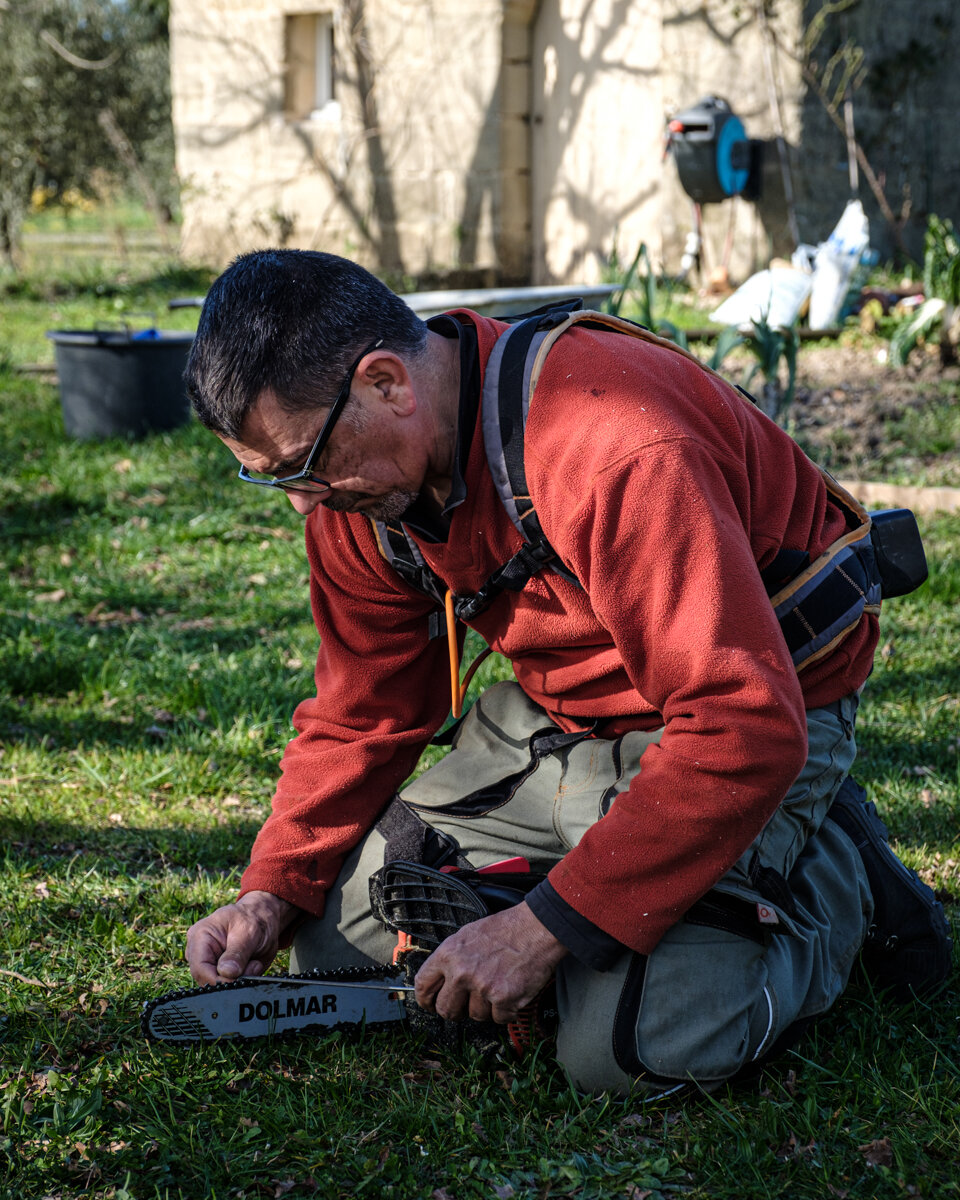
(775, 296)
(836, 260)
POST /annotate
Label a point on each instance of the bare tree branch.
(82, 64)
(852, 78)
(896, 224)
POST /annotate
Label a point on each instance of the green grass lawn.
(154, 638)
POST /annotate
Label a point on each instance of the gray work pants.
(706, 1002)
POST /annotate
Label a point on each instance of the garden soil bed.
(850, 408)
(845, 387)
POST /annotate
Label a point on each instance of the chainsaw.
(423, 906)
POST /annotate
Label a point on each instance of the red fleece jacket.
(663, 490)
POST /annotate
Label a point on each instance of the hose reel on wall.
(715, 161)
(714, 156)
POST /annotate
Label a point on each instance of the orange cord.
(458, 690)
(473, 670)
(456, 702)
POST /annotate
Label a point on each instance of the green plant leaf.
(906, 335)
(727, 340)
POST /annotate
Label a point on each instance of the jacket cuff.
(587, 943)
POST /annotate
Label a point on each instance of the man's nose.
(304, 502)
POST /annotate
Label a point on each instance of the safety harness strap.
(505, 403)
(403, 554)
(817, 604)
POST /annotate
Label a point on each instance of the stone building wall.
(606, 78)
(401, 170)
(482, 141)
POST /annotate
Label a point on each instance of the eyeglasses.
(305, 480)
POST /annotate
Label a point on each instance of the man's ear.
(386, 377)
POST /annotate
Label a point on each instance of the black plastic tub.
(118, 383)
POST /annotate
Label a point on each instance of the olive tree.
(83, 85)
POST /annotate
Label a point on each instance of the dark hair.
(292, 321)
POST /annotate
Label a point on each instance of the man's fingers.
(229, 966)
(238, 939)
(427, 983)
(479, 1009)
(437, 993)
(450, 996)
(228, 944)
(456, 1000)
(453, 1002)
(204, 946)
(429, 979)
(204, 974)
(247, 946)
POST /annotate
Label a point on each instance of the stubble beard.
(385, 508)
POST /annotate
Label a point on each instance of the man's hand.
(238, 939)
(490, 969)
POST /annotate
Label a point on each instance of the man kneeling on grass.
(690, 613)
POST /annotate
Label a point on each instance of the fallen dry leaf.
(792, 1148)
(98, 615)
(878, 1153)
(51, 597)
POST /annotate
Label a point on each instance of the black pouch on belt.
(899, 551)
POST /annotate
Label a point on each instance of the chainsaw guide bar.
(278, 1006)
